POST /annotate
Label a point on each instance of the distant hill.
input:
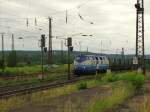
(34, 57)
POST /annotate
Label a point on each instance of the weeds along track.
(18, 76)
(26, 84)
(30, 84)
(21, 76)
(6, 92)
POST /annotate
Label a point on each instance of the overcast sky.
(113, 28)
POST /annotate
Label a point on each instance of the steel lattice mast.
(140, 54)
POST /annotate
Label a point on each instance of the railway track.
(23, 90)
(26, 88)
(17, 86)
(18, 76)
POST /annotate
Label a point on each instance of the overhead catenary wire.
(28, 19)
(37, 19)
(52, 14)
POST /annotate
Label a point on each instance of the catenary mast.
(140, 53)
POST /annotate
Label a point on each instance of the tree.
(12, 59)
(2, 65)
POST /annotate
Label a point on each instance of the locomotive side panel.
(90, 63)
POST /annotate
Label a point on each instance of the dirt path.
(136, 103)
(63, 103)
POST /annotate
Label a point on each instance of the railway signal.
(43, 49)
(42, 41)
(69, 41)
(70, 49)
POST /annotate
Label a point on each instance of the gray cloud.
(114, 21)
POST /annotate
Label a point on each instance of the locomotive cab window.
(96, 58)
(100, 58)
(103, 58)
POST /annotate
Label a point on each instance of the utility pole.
(101, 47)
(140, 53)
(123, 56)
(13, 47)
(122, 53)
(50, 52)
(69, 63)
(3, 53)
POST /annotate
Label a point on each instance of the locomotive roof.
(91, 55)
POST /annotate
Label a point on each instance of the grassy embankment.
(51, 74)
(122, 87)
(142, 106)
(142, 103)
(120, 93)
(28, 70)
(145, 106)
(22, 70)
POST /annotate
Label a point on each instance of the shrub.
(21, 64)
(110, 78)
(136, 79)
(82, 85)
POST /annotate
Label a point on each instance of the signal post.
(70, 49)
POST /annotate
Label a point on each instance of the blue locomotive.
(90, 64)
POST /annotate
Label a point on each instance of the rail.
(40, 87)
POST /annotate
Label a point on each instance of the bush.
(21, 64)
(110, 78)
(82, 85)
(136, 79)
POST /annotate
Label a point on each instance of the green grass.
(28, 70)
(119, 93)
(82, 85)
(51, 74)
(16, 102)
(36, 80)
(23, 70)
(116, 94)
(132, 81)
(121, 88)
(136, 79)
